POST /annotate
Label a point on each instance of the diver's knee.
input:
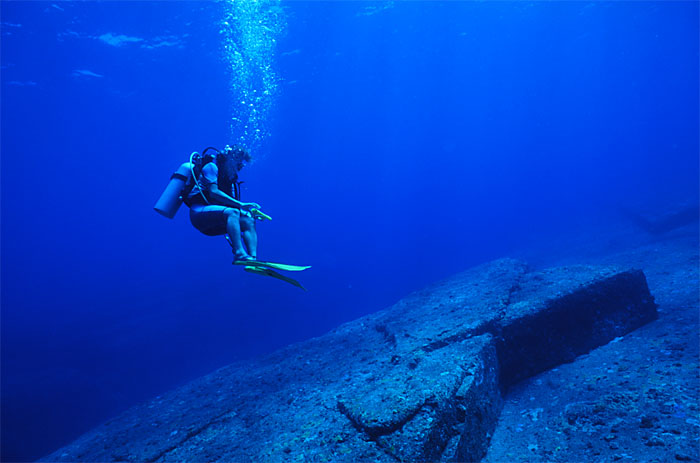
(247, 223)
(232, 213)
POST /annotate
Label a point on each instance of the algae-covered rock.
(412, 412)
(418, 381)
(557, 314)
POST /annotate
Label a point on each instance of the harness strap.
(237, 190)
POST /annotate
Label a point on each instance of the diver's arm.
(210, 174)
(220, 198)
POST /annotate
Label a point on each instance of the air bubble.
(250, 30)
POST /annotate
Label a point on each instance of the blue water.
(398, 143)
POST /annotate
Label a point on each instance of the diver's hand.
(249, 206)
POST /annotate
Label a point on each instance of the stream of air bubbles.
(250, 30)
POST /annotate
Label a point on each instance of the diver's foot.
(239, 259)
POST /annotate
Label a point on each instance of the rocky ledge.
(419, 381)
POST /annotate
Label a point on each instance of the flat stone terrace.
(419, 381)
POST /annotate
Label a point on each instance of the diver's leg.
(233, 230)
(250, 235)
(210, 220)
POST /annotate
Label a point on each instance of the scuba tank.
(171, 199)
(182, 182)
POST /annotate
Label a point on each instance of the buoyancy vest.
(195, 192)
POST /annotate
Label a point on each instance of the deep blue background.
(407, 144)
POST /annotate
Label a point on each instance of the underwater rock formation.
(418, 381)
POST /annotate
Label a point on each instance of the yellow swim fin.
(273, 265)
(271, 273)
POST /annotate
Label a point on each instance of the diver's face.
(234, 165)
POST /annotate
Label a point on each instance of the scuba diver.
(215, 202)
(208, 184)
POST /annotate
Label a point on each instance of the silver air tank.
(171, 199)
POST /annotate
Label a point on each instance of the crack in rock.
(419, 381)
(188, 436)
